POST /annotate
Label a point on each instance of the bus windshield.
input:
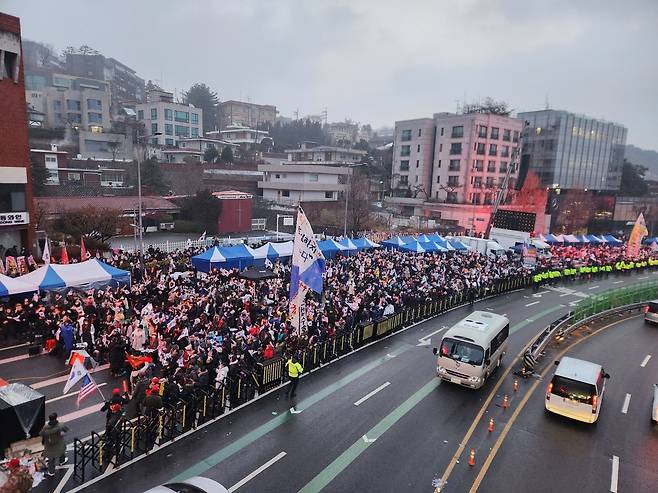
(462, 351)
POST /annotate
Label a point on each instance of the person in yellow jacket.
(295, 370)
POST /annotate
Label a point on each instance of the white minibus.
(472, 349)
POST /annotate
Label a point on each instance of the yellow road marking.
(521, 405)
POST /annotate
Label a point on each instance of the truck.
(482, 245)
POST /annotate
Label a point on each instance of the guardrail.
(601, 305)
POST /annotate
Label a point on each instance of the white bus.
(472, 349)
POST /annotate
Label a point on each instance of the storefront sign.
(14, 218)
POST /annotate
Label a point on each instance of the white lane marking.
(627, 401)
(429, 336)
(13, 347)
(252, 475)
(55, 399)
(645, 361)
(566, 294)
(368, 396)
(81, 413)
(594, 287)
(13, 359)
(368, 440)
(63, 378)
(295, 411)
(614, 480)
(641, 278)
(65, 479)
(617, 282)
(533, 303)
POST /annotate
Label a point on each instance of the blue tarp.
(457, 245)
(237, 257)
(612, 239)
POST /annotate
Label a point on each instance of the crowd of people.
(204, 330)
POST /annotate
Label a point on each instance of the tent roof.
(412, 246)
(364, 243)
(348, 244)
(11, 285)
(213, 255)
(393, 241)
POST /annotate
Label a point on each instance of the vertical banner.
(529, 255)
(635, 239)
(308, 265)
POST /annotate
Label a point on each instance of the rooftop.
(328, 149)
(61, 205)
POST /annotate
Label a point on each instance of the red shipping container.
(236, 212)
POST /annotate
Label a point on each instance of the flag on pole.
(308, 265)
(639, 231)
(83, 251)
(77, 372)
(88, 387)
(64, 259)
(46, 252)
(202, 237)
(654, 246)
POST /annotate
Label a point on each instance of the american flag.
(88, 387)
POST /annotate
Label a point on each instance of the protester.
(52, 436)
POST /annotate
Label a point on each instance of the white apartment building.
(166, 123)
(241, 135)
(204, 143)
(412, 161)
(310, 174)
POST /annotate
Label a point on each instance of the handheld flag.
(308, 265)
(46, 252)
(83, 251)
(88, 387)
(64, 259)
(639, 231)
(202, 237)
(77, 372)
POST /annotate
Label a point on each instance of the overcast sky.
(379, 61)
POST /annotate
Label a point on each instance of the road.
(404, 433)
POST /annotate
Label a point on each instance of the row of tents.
(579, 239)
(83, 275)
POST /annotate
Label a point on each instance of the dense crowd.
(205, 330)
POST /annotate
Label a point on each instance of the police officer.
(295, 369)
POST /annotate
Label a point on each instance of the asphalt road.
(402, 437)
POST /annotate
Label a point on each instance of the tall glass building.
(571, 151)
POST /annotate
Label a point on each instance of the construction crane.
(503, 189)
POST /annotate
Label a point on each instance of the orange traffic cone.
(516, 385)
(491, 425)
(505, 402)
(471, 458)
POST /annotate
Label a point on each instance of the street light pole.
(141, 233)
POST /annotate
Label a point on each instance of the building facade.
(412, 161)
(342, 133)
(16, 207)
(166, 122)
(245, 114)
(240, 135)
(572, 151)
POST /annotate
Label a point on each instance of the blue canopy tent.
(11, 285)
(436, 238)
(237, 256)
(208, 260)
(393, 242)
(88, 274)
(349, 245)
(650, 240)
(365, 244)
(407, 239)
(549, 238)
(330, 248)
(593, 239)
(457, 245)
(423, 239)
(611, 239)
(432, 246)
(413, 246)
(582, 239)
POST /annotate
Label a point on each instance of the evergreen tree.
(201, 96)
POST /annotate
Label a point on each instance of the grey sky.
(380, 60)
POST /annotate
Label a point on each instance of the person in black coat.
(117, 356)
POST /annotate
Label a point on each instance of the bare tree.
(114, 146)
(358, 214)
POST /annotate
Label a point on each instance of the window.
(328, 195)
(181, 116)
(94, 104)
(438, 179)
(140, 114)
(169, 142)
(487, 199)
(494, 133)
(61, 82)
(405, 136)
(74, 118)
(285, 193)
(454, 165)
(96, 129)
(573, 389)
(462, 351)
(491, 167)
(499, 339)
(506, 134)
(457, 132)
(313, 177)
(57, 105)
(10, 66)
(456, 148)
(419, 132)
(439, 165)
(478, 165)
(195, 118)
(51, 167)
(417, 163)
(451, 197)
(404, 165)
(503, 167)
(195, 132)
(453, 180)
(404, 180)
(169, 129)
(418, 148)
(479, 148)
(440, 147)
(516, 136)
(489, 182)
(154, 128)
(504, 151)
(154, 113)
(12, 197)
(95, 117)
(416, 180)
(405, 150)
(441, 131)
(482, 132)
(73, 176)
(73, 105)
(182, 131)
(493, 149)
(475, 198)
(477, 181)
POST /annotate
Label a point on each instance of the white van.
(651, 312)
(472, 349)
(576, 389)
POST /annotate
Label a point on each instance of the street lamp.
(139, 195)
(347, 195)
